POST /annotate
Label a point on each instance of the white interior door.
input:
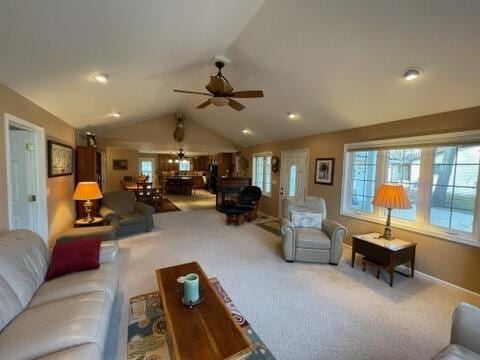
(23, 192)
(294, 175)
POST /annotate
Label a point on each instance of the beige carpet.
(301, 311)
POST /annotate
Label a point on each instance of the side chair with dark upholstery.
(121, 210)
(249, 200)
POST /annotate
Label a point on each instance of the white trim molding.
(421, 275)
(421, 224)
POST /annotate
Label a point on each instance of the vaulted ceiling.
(336, 63)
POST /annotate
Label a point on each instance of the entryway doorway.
(293, 175)
(26, 176)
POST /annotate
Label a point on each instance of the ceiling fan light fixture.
(101, 78)
(411, 74)
(116, 114)
(219, 101)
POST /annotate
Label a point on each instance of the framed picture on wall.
(324, 168)
(60, 159)
(120, 164)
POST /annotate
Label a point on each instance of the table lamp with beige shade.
(87, 191)
(391, 196)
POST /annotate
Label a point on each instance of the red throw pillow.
(76, 255)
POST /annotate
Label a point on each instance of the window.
(262, 172)
(184, 165)
(292, 181)
(146, 167)
(363, 180)
(454, 187)
(441, 181)
(403, 166)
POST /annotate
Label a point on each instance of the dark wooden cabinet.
(88, 168)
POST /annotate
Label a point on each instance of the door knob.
(32, 198)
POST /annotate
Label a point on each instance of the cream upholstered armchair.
(308, 235)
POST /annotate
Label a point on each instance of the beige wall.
(60, 204)
(156, 135)
(114, 176)
(453, 262)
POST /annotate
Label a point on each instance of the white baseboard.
(261, 213)
(406, 269)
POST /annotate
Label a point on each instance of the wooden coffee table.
(208, 331)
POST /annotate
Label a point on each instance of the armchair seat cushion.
(456, 352)
(310, 238)
(131, 219)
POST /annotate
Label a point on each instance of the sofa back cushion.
(10, 303)
(122, 202)
(24, 261)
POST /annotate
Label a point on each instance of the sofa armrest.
(148, 211)
(288, 241)
(336, 232)
(466, 327)
(109, 215)
(144, 208)
(108, 252)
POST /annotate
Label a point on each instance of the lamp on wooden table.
(391, 196)
(87, 191)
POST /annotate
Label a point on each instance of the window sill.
(467, 240)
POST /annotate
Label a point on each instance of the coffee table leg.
(392, 271)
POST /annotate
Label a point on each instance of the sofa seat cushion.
(132, 219)
(312, 239)
(103, 279)
(456, 352)
(82, 352)
(57, 326)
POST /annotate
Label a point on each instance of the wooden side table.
(385, 253)
(97, 221)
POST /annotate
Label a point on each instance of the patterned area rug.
(165, 205)
(147, 328)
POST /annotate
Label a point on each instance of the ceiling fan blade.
(204, 104)
(235, 105)
(192, 92)
(247, 94)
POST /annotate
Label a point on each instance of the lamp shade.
(87, 191)
(391, 196)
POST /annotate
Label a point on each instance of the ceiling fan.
(221, 92)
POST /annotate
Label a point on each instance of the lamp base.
(387, 233)
(88, 209)
(387, 237)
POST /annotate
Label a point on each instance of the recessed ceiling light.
(411, 74)
(116, 114)
(292, 115)
(101, 78)
(246, 131)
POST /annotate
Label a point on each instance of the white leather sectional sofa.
(64, 318)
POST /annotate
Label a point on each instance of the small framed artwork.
(324, 170)
(120, 164)
(60, 159)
